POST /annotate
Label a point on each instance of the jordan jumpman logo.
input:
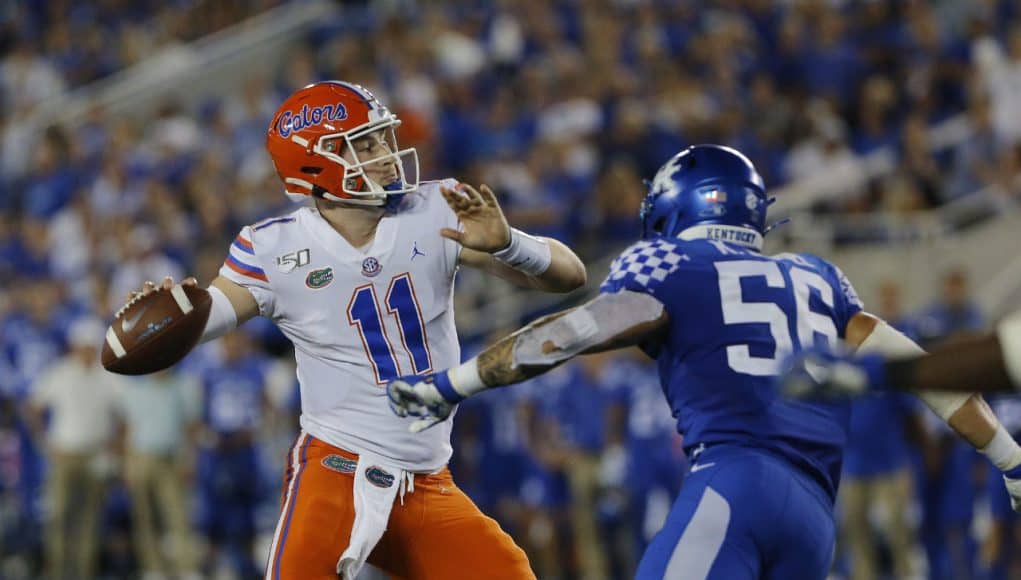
(415, 252)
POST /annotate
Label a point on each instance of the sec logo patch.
(371, 267)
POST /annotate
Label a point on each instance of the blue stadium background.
(879, 124)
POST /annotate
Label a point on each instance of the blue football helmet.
(704, 184)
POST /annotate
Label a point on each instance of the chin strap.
(394, 199)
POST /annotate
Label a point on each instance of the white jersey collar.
(746, 237)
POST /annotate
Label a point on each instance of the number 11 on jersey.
(364, 312)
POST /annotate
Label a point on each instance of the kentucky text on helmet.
(307, 117)
(731, 235)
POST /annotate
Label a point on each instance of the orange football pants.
(437, 533)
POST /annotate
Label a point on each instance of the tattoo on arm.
(496, 363)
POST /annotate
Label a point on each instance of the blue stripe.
(242, 248)
(240, 264)
(282, 220)
(290, 509)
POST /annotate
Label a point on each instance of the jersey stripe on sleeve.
(243, 245)
(237, 264)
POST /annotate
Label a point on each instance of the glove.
(1012, 479)
(817, 373)
(430, 397)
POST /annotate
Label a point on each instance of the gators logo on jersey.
(320, 278)
(338, 463)
(379, 477)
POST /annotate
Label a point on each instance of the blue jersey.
(735, 315)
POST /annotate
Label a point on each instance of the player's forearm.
(976, 362)
(533, 262)
(496, 365)
(991, 362)
(975, 422)
(566, 271)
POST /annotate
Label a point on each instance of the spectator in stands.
(584, 403)
(1001, 549)
(79, 397)
(160, 413)
(656, 461)
(235, 404)
(950, 485)
(877, 470)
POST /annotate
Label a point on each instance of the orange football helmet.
(316, 125)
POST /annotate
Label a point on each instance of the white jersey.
(359, 317)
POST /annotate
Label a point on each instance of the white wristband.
(1002, 450)
(1009, 333)
(222, 317)
(526, 253)
(465, 378)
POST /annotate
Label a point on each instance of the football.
(154, 331)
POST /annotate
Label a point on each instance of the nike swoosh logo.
(695, 468)
(128, 323)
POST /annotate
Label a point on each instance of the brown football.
(155, 331)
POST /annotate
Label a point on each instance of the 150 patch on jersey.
(288, 262)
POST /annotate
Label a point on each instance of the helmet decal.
(310, 117)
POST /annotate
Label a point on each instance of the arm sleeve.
(244, 266)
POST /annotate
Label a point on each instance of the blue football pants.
(744, 513)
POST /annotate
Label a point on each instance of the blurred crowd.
(563, 108)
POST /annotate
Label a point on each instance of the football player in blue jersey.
(719, 316)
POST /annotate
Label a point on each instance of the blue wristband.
(446, 388)
(1014, 473)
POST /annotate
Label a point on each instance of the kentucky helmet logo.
(371, 267)
(663, 183)
(320, 278)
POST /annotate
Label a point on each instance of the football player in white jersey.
(361, 281)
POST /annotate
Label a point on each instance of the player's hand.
(149, 287)
(816, 373)
(485, 227)
(1012, 479)
(419, 396)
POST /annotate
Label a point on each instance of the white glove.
(430, 397)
